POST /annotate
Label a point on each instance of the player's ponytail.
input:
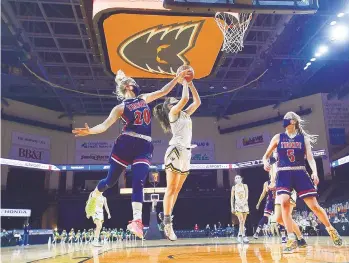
(300, 126)
(160, 112)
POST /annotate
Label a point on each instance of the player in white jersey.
(98, 217)
(174, 119)
(239, 206)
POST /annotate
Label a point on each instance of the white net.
(233, 27)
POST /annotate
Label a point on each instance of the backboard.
(146, 40)
(255, 6)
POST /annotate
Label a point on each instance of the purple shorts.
(269, 206)
(299, 180)
(129, 150)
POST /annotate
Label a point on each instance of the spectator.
(207, 230)
(336, 220)
(219, 225)
(26, 234)
(196, 227)
(344, 219)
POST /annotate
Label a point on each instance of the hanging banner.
(253, 140)
(25, 153)
(336, 115)
(99, 145)
(92, 157)
(30, 140)
(16, 212)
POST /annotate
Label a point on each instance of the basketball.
(190, 75)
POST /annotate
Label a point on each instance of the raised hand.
(82, 131)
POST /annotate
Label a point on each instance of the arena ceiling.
(52, 39)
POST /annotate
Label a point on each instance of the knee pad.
(112, 178)
(263, 221)
(139, 175)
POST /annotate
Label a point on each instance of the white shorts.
(98, 216)
(177, 159)
(293, 198)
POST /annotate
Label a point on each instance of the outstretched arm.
(264, 192)
(115, 114)
(149, 97)
(196, 100)
(273, 144)
(311, 161)
(175, 110)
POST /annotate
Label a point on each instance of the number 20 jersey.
(291, 152)
(136, 116)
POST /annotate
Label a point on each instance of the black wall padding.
(260, 123)
(36, 123)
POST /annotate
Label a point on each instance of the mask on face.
(238, 180)
(286, 123)
(136, 90)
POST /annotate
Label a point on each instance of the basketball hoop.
(233, 27)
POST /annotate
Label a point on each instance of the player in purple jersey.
(293, 147)
(269, 206)
(134, 145)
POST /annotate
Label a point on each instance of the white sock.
(137, 210)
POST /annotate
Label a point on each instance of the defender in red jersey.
(133, 146)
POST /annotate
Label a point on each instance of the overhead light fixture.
(313, 59)
(317, 54)
(224, 87)
(339, 33)
(322, 50)
(305, 68)
(340, 15)
(308, 64)
(333, 23)
(211, 87)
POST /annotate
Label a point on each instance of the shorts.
(98, 216)
(293, 199)
(241, 208)
(129, 150)
(299, 180)
(269, 206)
(177, 159)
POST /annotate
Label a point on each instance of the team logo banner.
(99, 145)
(92, 157)
(156, 45)
(253, 140)
(31, 140)
(16, 212)
(25, 153)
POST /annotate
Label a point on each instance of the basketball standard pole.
(153, 232)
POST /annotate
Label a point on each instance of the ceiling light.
(211, 87)
(340, 15)
(305, 68)
(308, 64)
(313, 59)
(322, 50)
(224, 87)
(339, 32)
(333, 23)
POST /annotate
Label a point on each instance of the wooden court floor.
(221, 250)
